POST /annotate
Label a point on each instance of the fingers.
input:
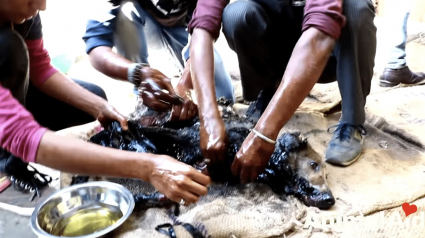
(244, 177)
(192, 111)
(188, 189)
(184, 111)
(178, 194)
(236, 166)
(254, 175)
(165, 95)
(197, 189)
(150, 101)
(200, 178)
(167, 98)
(122, 120)
(175, 114)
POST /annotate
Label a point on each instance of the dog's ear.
(292, 142)
(296, 134)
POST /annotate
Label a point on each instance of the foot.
(26, 187)
(394, 77)
(346, 144)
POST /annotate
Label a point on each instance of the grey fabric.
(137, 32)
(14, 64)
(47, 111)
(136, 29)
(264, 33)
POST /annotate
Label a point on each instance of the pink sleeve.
(208, 16)
(40, 63)
(325, 15)
(20, 134)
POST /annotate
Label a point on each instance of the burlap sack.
(389, 173)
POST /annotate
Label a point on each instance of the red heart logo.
(409, 209)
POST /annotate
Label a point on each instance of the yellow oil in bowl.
(86, 220)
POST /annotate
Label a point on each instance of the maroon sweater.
(324, 15)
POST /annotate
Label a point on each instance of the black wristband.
(133, 73)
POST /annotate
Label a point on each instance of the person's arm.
(313, 49)
(113, 65)
(153, 85)
(53, 83)
(202, 73)
(322, 24)
(205, 29)
(321, 28)
(22, 136)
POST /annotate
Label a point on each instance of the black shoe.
(23, 179)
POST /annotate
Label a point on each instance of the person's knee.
(98, 91)
(93, 88)
(359, 14)
(243, 17)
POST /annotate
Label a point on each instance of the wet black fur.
(183, 143)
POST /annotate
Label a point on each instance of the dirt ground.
(64, 24)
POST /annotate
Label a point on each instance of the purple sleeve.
(40, 63)
(325, 15)
(207, 16)
(20, 134)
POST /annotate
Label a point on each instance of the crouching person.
(36, 99)
(284, 48)
(138, 28)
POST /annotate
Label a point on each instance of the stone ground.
(63, 31)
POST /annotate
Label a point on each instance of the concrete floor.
(69, 32)
(13, 226)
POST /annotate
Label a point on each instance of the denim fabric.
(396, 23)
(222, 80)
(397, 54)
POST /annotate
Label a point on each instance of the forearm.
(202, 72)
(62, 88)
(109, 63)
(307, 63)
(186, 78)
(75, 156)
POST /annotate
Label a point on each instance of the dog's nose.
(326, 201)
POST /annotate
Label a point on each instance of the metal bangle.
(263, 137)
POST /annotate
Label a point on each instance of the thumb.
(123, 121)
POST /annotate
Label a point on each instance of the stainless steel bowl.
(76, 198)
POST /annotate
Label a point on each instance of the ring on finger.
(182, 202)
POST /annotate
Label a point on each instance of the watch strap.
(133, 72)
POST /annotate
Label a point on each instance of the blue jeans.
(137, 31)
(397, 20)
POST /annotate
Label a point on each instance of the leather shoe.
(394, 77)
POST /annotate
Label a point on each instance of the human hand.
(214, 140)
(188, 109)
(156, 90)
(177, 180)
(107, 114)
(252, 158)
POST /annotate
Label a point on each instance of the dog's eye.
(313, 165)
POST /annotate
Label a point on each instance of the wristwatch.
(133, 73)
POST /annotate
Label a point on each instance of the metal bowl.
(50, 215)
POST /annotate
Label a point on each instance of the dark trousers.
(47, 111)
(263, 33)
